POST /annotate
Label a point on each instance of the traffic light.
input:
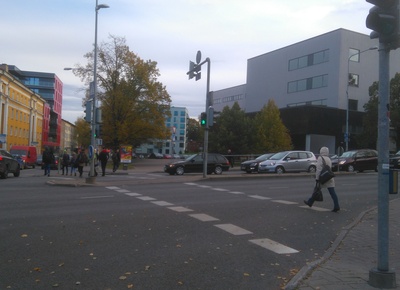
(383, 19)
(203, 119)
(88, 111)
(210, 116)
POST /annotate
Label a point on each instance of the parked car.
(289, 161)
(39, 160)
(250, 166)
(20, 160)
(156, 156)
(359, 160)
(8, 164)
(395, 161)
(216, 163)
(27, 153)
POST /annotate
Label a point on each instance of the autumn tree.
(82, 132)
(134, 103)
(231, 131)
(271, 134)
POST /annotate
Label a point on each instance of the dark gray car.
(8, 164)
(216, 163)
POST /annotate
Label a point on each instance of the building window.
(353, 80)
(308, 84)
(354, 55)
(353, 105)
(309, 60)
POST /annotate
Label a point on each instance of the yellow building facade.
(21, 113)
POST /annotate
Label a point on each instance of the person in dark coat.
(65, 162)
(103, 158)
(48, 160)
(116, 158)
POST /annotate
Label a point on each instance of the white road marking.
(234, 230)
(162, 203)
(99, 196)
(203, 217)
(132, 194)
(259, 197)
(113, 187)
(236, 192)
(190, 183)
(315, 208)
(180, 209)
(145, 198)
(219, 189)
(274, 246)
(284, 201)
(122, 190)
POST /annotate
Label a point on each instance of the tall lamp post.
(93, 139)
(347, 93)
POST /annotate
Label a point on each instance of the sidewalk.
(347, 263)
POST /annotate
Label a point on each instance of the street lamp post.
(347, 93)
(93, 139)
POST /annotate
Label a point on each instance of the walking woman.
(330, 184)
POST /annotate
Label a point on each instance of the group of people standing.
(77, 160)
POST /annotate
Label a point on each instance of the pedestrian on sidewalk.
(330, 184)
(116, 158)
(48, 160)
(65, 162)
(81, 160)
(73, 164)
(103, 158)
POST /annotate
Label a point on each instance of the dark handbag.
(317, 193)
(326, 173)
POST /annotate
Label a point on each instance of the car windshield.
(18, 152)
(191, 157)
(278, 156)
(348, 154)
(263, 157)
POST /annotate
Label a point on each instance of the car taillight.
(1, 158)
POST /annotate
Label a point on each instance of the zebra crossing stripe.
(273, 246)
(234, 230)
(203, 217)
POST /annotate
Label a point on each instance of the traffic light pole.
(382, 277)
(205, 157)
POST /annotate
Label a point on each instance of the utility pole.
(195, 71)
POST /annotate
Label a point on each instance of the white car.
(289, 161)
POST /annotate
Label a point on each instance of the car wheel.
(218, 170)
(180, 170)
(280, 170)
(312, 169)
(5, 173)
(249, 171)
(350, 168)
(17, 173)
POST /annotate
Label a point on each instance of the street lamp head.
(98, 7)
(68, 68)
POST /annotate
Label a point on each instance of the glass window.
(303, 61)
(293, 64)
(354, 55)
(302, 85)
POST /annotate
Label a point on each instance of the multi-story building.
(21, 113)
(309, 82)
(177, 143)
(50, 88)
(68, 141)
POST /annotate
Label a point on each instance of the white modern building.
(177, 143)
(310, 77)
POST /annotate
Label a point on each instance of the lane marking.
(234, 230)
(190, 183)
(259, 197)
(284, 201)
(236, 192)
(113, 187)
(315, 208)
(122, 190)
(179, 209)
(132, 194)
(99, 196)
(219, 189)
(203, 217)
(273, 246)
(162, 203)
(145, 198)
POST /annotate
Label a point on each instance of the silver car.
(289, 161)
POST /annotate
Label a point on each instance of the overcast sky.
(49, 35)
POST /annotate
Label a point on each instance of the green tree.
(134, 103)
(231, 131)
(368, 138)
(271, 134)
(82, 132)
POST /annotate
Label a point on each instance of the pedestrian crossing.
(232, 229)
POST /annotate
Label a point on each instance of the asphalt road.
(238, 233)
